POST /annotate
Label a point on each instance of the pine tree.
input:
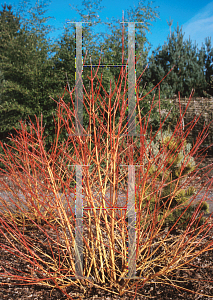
(206, 58)
(188, 72)
(168, 168)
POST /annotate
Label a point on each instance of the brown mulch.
(199, 279)
(201, 271)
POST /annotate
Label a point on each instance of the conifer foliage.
(178, 164)
(27, 77)
(189, 72)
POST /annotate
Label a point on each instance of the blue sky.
(195, 16)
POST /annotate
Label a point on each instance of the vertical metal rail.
(131, 211)
(79, 132)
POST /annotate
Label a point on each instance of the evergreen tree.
(9, 27)
(2, 80)
(29, 77)
(188, 72)
(206, 59)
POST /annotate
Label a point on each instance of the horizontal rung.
(134, 277)
(104, 65)
(87, 208)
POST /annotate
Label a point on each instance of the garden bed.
(195, 279)
(198, 278)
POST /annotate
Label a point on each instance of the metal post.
(78, 81)
(131, 79)
(79, 132)
(131, 224)
(131, 168)
(79, 224)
